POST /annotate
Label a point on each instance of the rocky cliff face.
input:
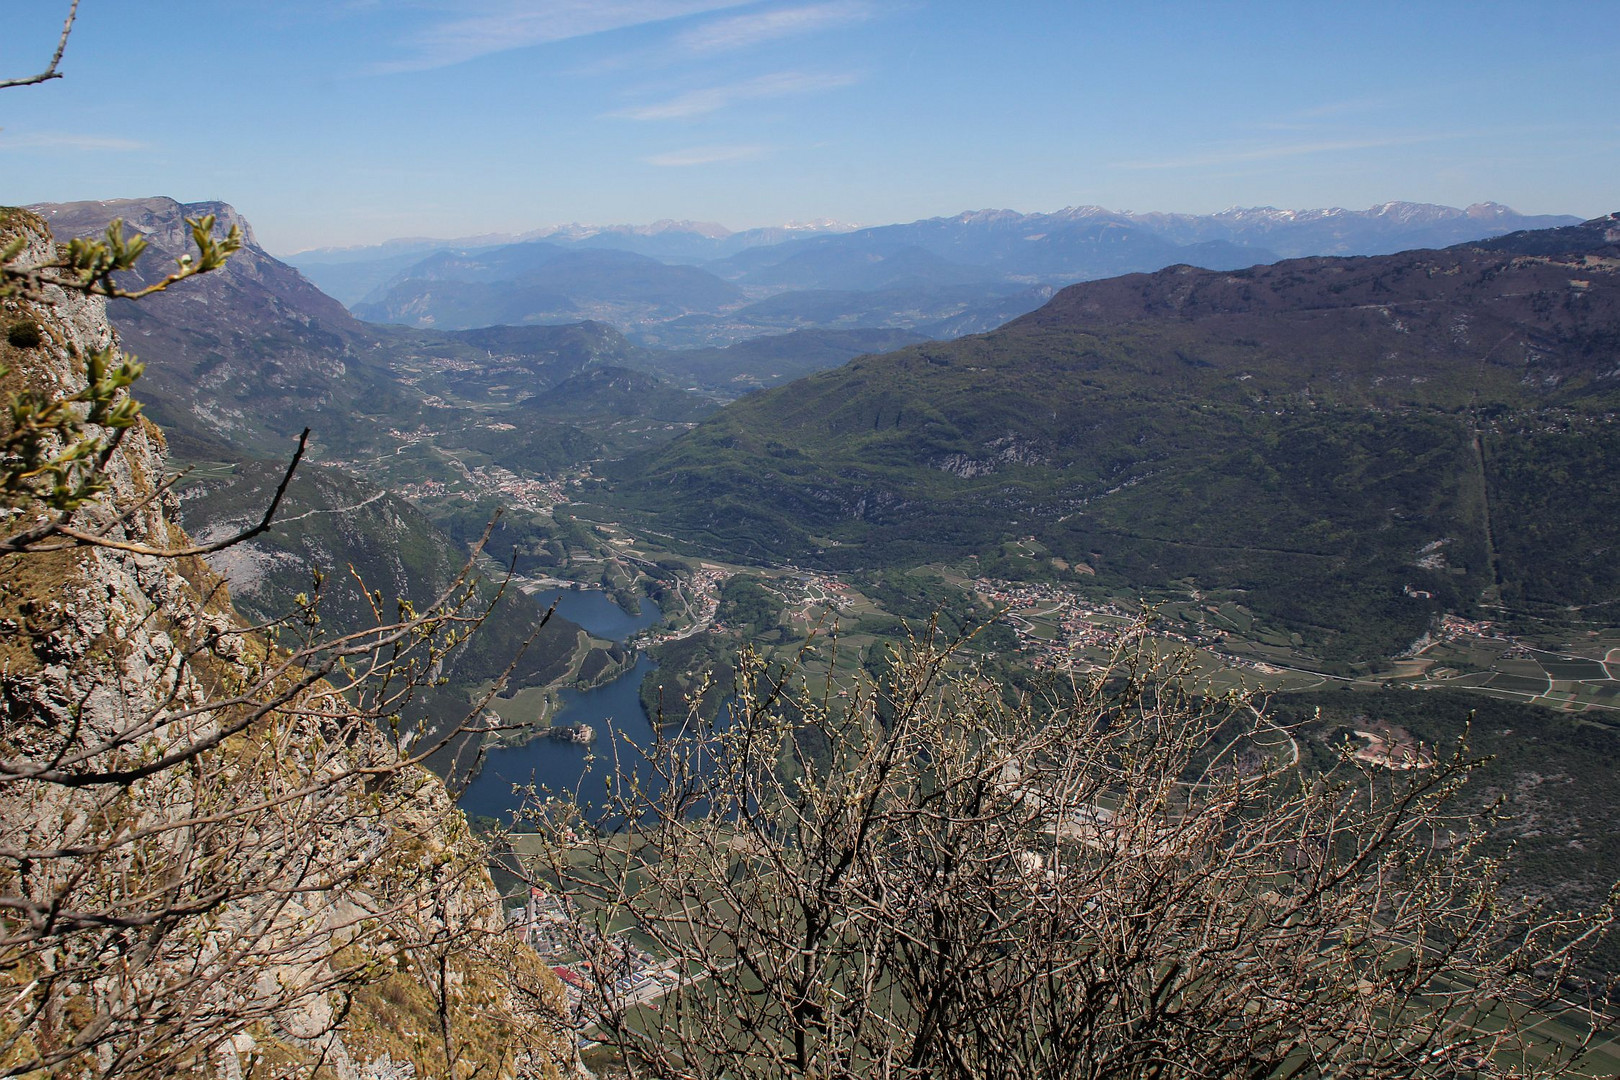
(210, 863)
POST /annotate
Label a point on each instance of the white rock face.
(192, 876)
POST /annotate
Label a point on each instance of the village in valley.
(1073, 625)
(588, 964)
(826, 621)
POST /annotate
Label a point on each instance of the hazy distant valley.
(1376, 492)
(795, 540)
(682, 284)
(1325, 473)
(1325, 441)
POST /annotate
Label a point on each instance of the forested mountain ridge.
(1326, 436)
(1379, 330)
(1239, 430)
(772, 358)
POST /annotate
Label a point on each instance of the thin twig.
(30, 541)
(50, 71)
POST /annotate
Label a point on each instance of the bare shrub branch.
(50, 71)
(1131, 879)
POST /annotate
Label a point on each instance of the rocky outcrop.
(212, 862)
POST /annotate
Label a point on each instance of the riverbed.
(613, 710)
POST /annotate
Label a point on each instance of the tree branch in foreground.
(50, 71)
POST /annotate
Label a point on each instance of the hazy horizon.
(543, 231)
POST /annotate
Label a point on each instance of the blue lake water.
(613, 709)
(596, 612)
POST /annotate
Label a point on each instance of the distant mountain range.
(245, 357)
(1349, 445)
(684, 284)
(540, 282)
(351, 273)
(1325, 438)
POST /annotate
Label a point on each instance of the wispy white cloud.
(62, 140)
(515, 24)
(745, 31)
(1279, 150)
(705, 155)
(713, 98)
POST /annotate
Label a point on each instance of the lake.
(613, 709)
(595, 611)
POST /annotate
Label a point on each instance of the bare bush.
(1130, 880)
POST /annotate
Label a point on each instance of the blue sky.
(352, 121)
